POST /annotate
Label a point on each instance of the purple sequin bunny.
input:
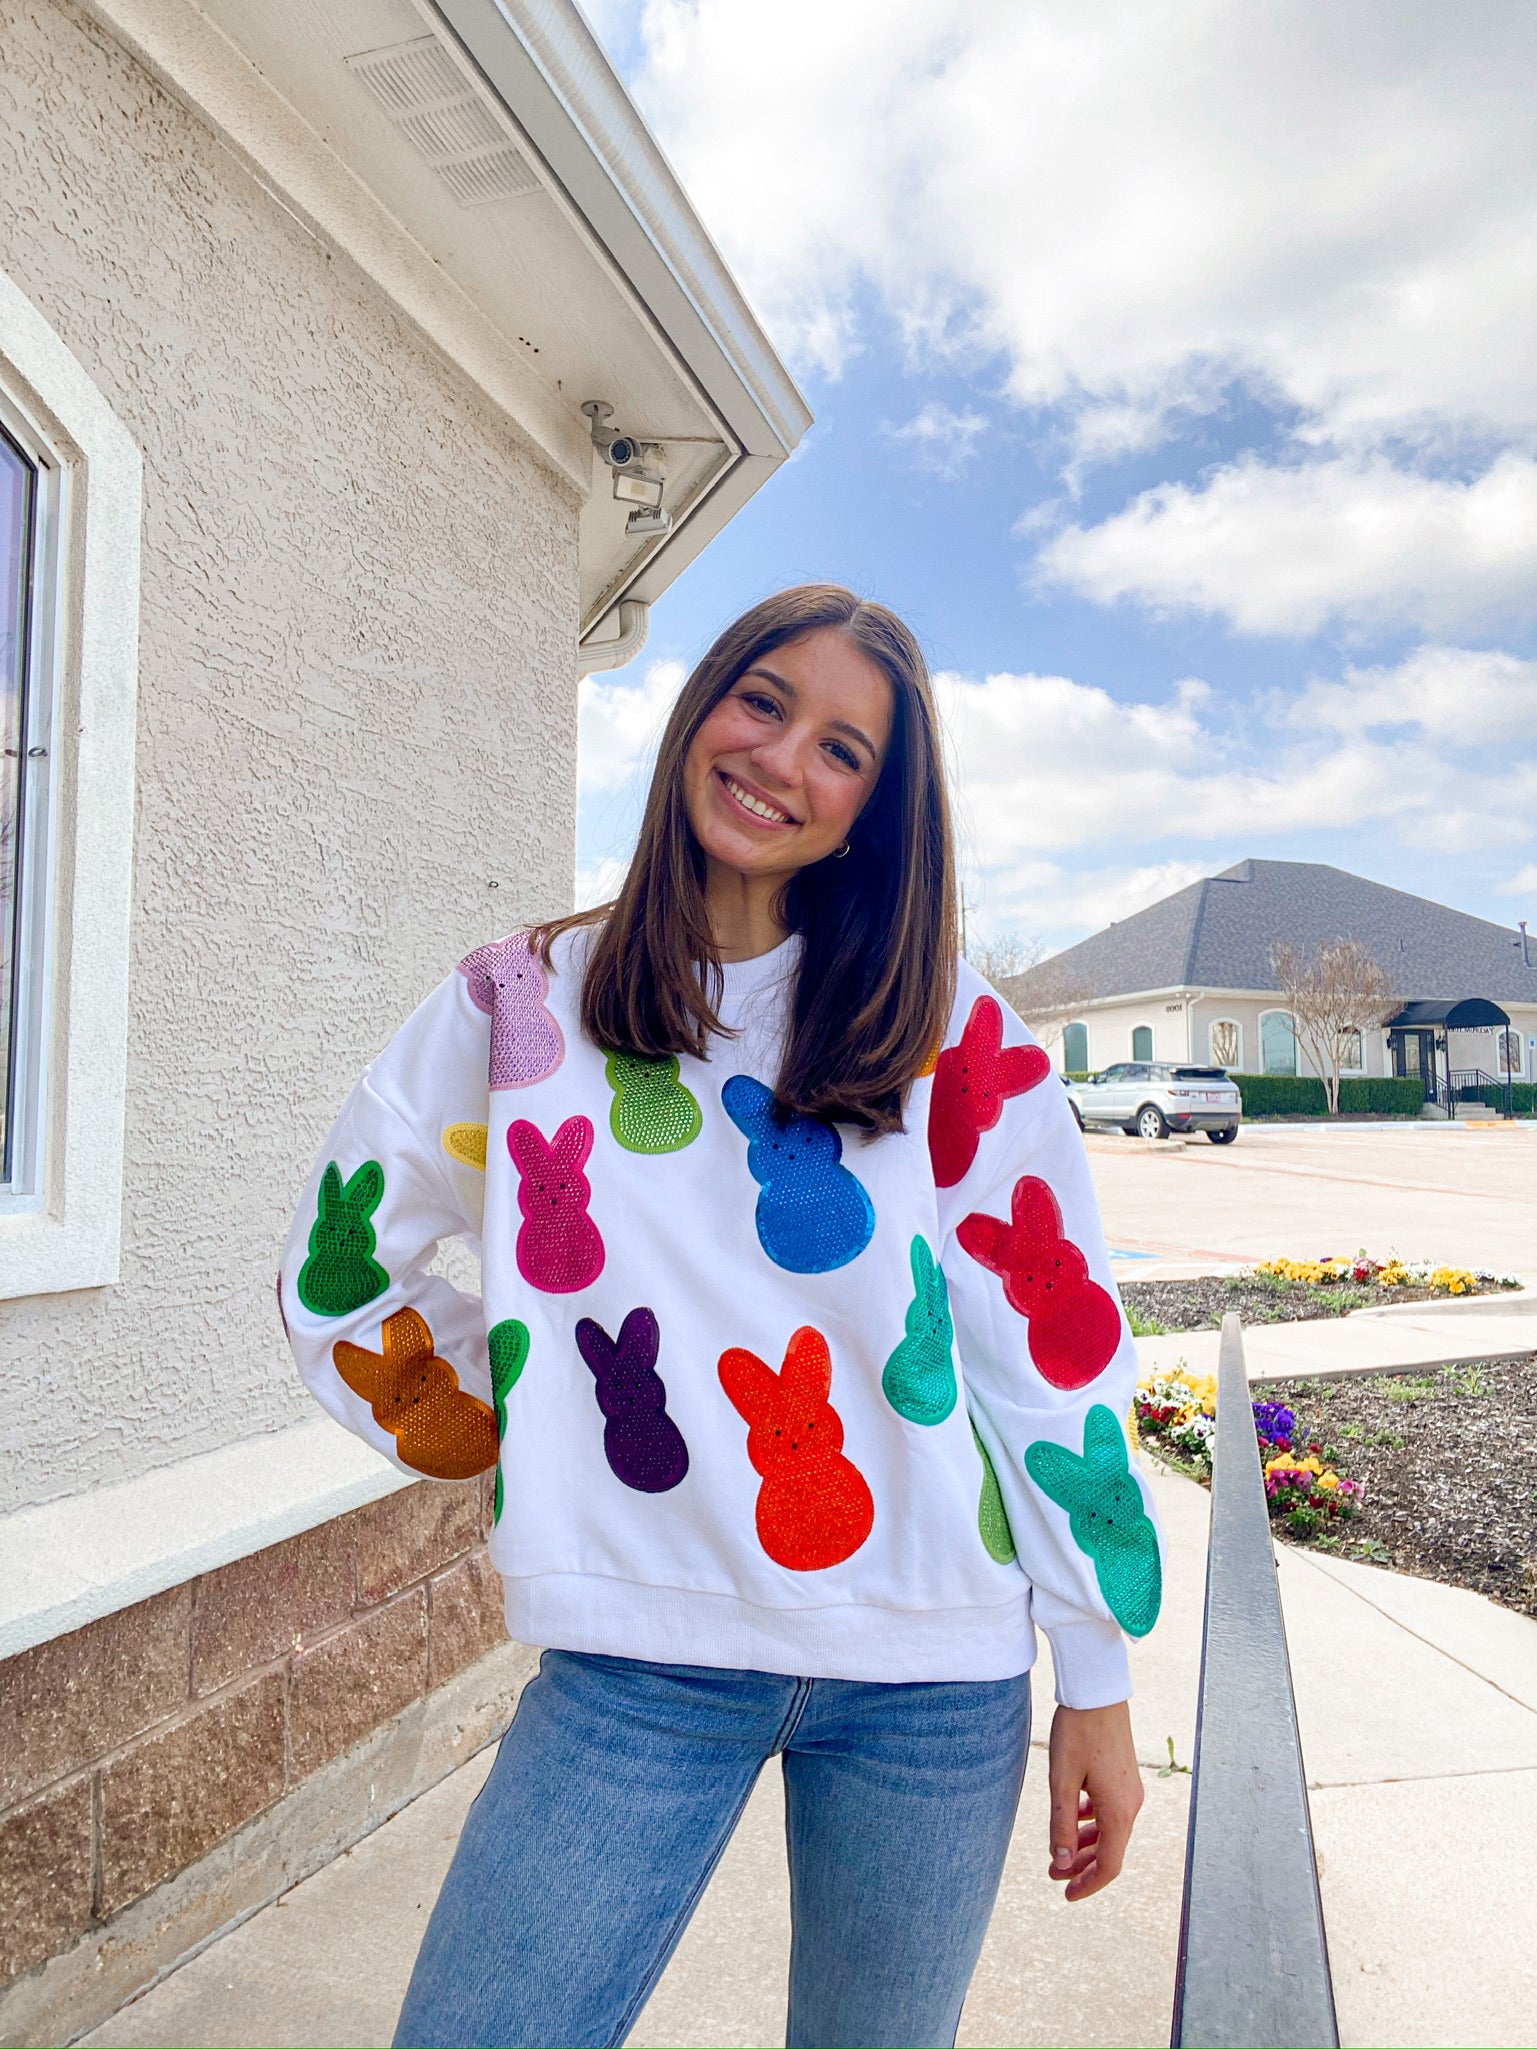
(509, 984)
(642, 1443)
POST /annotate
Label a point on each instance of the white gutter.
(634, 625)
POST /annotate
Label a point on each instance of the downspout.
(634, 625)
(1192, 998)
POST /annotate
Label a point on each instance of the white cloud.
(1522, 883)
(1137, 205)
(619, 721)
(1287, 551)
(1457, 693)
(1045, 897)
(597, 882)
(1045, 765)
(940, 439)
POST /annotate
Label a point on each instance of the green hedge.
(1302, 1095)
(1281, 1095)
(1383, 1095)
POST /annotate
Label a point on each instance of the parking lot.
(1465, 1195)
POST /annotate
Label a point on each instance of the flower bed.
(1298, 1290)
(1176, 1416)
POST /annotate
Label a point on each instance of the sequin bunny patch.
(1075, 1326)
(466, 1143)
(1106, 1516)
(972, 1081)
(438, 1428)
(509, 984)
(992, 1516)
(507, 1343)
(814, 1507)
(643, 1445)
(652, 1111)
(919, 1379)
(813, 1215)
(559, 1247)
(341, 1273)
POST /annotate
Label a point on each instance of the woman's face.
(784, 764)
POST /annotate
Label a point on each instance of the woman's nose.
(778, 758)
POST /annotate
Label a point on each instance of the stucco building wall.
(356, 725)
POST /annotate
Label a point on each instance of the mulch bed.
(1449, 1460)
(1202, 1304)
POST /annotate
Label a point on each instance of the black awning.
(1466, 1014)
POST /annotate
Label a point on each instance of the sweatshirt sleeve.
(395, 1353)
(1049, 1361)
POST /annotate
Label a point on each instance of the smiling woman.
(798, 788)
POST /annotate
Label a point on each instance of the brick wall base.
(203, 1743)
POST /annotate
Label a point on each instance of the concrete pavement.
(1459, 1194)
(1367, 1341)
(1418, 1708)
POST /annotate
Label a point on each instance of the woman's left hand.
(1096, 1790)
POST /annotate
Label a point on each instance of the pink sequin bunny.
(559, 1247)
(509, 984)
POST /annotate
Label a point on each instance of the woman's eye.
(760, 701)
(844, 754)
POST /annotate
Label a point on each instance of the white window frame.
(1142, 1059)
(61, 1227)
(1237, 1066)
(1360, 1066)
(1280, 1010)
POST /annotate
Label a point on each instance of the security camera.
(639, 476)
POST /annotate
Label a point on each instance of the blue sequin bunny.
(813, 1214)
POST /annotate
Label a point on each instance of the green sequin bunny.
(507, 1343)
(652, 1111)
(919, 1380)
(341, 1273)
(992, 1516)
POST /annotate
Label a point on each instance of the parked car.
(1153, 1098)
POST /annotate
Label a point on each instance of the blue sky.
(1173, 376)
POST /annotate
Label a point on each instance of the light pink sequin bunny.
(509, 984)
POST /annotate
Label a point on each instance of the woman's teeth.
(755, 805)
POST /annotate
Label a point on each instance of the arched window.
(1352, 1053)
(1142, 1042)
(1277, 1043)
(1075, 1048)
(1226, 1043)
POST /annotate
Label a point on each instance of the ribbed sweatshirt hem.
(679, 1626)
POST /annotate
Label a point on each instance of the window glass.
(1509, 1044)
(1224, 1043)
(1075, 1048)
(1350, 1050)
(18, 488)
(1142, 1043)
(1278, 1043)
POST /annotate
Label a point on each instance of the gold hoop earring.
(839, 852)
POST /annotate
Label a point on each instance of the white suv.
(1153, 1098)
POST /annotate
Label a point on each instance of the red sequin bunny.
(1075, 1325)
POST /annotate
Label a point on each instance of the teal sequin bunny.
(1106, 1516)
(919, 1380)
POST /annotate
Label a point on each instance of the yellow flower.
(1328, 1481)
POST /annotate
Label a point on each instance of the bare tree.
(1044, 994)
(1338, 991)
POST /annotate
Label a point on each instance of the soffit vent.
(446, 119)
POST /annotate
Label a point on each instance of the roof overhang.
(1470, 1013)
(483, 163)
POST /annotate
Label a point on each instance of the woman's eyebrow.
(790, 691)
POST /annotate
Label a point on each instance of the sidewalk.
(1367, 1341)
(1418, 1706)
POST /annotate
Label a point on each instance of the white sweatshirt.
(783, 1399)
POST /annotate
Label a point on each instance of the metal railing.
(1253, 1968)
(1471, 1084)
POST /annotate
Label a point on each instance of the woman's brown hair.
(877, 970)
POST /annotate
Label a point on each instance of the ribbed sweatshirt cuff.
(1089, 1658)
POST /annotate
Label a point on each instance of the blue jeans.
(617, 1788)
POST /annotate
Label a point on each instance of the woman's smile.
(753, 802)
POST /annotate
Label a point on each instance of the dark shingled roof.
(1217, 934)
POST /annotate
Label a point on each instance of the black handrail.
(1253, 1959)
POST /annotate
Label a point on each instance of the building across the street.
(1190, 978)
